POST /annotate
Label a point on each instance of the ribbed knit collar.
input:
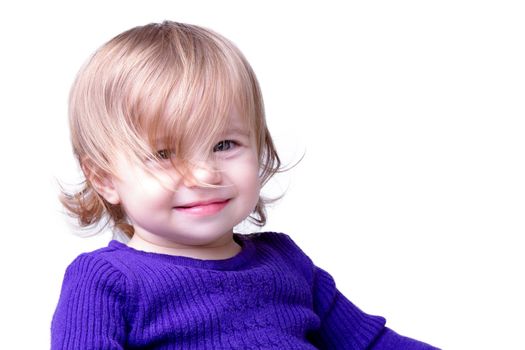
(234, 263)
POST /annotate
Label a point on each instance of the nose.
(202, 174)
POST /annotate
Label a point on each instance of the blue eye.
(224, 145)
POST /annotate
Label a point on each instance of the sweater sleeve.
(345, 326)
(390, 340)
(89, 312)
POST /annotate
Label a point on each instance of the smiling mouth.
(203, 209)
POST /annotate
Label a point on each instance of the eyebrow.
(160, 140)
(235, 129)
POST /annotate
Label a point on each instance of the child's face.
(167, 209)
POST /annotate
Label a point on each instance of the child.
(168, 125)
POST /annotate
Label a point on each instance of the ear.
(102, 182)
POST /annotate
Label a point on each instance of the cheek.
(159, 184)
(248, 180)
(147, 191)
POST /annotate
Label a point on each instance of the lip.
(203, 208)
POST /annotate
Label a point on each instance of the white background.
(410, 115)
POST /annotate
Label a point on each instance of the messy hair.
(163, 81)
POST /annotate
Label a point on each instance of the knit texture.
(269, 296)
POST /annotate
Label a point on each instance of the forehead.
(237, 122)
(198, 129)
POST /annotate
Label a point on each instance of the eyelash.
(164, 154)
(222, 146)
(228, 144)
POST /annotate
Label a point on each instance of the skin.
(179, 215)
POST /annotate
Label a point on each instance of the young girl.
(168, 125)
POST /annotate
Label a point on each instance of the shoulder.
(281, 246)
(94, 291)
(99, 268)
(276, 241)
(102, 256)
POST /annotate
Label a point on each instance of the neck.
(222, 249)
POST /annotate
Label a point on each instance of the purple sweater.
(269, 296)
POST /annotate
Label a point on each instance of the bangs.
(163, 86)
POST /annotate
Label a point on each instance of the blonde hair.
(163, 81)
